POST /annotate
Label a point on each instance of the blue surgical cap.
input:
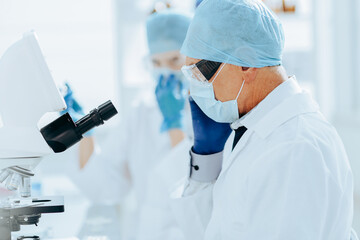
(240, 32)
(166, 31)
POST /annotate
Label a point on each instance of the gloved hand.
(209, 136)
(73, 107)
(171, 95)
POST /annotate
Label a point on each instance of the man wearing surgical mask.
(158, 124)
(286, 174)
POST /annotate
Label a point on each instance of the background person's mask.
(166, 72)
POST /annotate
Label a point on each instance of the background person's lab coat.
(287, 178)
(156, 219)
(139, 144)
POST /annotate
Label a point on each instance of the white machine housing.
(27, 92)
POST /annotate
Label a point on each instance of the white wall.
(76, 38)
(337, 31)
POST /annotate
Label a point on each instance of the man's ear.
(249, 73)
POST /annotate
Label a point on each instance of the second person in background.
(156, 125)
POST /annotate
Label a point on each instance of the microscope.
(27, 93)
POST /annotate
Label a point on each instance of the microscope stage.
(38, 205)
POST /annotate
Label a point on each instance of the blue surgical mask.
(203, 95)
(166, 72)
(158, 72)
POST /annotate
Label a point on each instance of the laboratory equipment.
(27, 92)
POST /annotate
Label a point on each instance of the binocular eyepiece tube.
(64, 132)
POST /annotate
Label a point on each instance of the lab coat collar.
(283, 103)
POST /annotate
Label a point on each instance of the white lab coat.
(287, 178)
(139, 144)
(156, 219)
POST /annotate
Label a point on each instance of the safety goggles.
(203, 70)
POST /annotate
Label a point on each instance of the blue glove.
(171, 95)
(209, 136)
(73, 107)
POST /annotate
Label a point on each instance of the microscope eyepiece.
(96, 117)
(63, 132)
(107, 110)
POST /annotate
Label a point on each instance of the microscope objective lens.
(26, 187)
(14, 182)
(3, 175)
